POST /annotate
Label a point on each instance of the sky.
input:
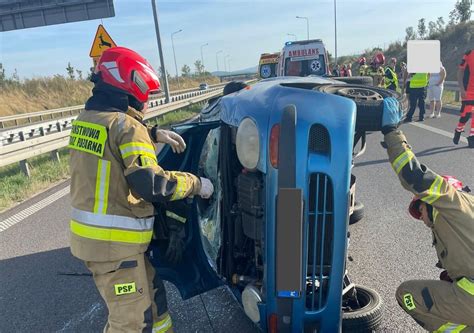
(241, 29)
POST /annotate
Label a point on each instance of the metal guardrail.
(40, 116)
(19, 144)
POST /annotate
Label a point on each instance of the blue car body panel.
(264, 103)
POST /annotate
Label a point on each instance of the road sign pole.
(164, 77)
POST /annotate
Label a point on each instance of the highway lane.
(387, 247)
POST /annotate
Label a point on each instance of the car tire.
(358, 213)
(365, 80)
(369, 101)
(366, 319)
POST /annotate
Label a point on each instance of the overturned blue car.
(280, 154)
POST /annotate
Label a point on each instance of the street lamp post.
(307, 24)
(164, 77)
(174, 54)
(225, 63)
(335, 32)
(217, 59)
(202, 58)
(293, 35)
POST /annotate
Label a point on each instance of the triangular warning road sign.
(102, 41)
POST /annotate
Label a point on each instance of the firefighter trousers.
(135, 296)
(438, 306)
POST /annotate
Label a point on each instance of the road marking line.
(12, 220)
(438, 131)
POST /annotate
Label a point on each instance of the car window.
(209, 215)
(315, 66)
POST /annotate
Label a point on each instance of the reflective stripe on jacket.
(453, 211)
(419, 80)
(114, 178)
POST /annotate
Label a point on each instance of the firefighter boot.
(456, 137)
(470, 141)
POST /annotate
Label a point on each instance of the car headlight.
(248, 144)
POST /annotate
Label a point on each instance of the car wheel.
(369, 101)
(357, 214)
(365, 80)
(368, 317)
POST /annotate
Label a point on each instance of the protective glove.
(206, 188)
(176, 246)
(392, 114)
(169, 137)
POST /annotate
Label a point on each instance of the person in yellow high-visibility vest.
(417, 95)
(390, 76)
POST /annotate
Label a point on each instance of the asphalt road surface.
(38, 292)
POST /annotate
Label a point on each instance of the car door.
(194, 274)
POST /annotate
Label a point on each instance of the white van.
(303, 58)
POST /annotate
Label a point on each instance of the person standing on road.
(447, 209)
(115, 178)
(435, 91)
(417, 94)
(336, 70)
(349, 70)
(363, 67)
(390, 76)
(466, 87)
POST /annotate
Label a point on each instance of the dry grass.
(41, 94)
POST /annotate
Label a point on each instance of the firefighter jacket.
(115, 178)
(453, 211)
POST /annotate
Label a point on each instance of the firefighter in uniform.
(363, 67)
(390, 76)
(466, 85)
(448, 210)
(115, 178)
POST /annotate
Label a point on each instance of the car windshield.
(305, 67)
(210, 215)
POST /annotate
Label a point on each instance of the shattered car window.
(209, 217)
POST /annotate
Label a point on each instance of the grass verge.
(15, 187)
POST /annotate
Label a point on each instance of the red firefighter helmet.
(362, 61)
(379, 59)
(414, 207)
(129, 72)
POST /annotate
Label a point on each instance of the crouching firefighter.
(115, 179)
(445, 206)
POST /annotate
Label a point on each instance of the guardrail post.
(25, 168)
(55, 156)
(457, 96)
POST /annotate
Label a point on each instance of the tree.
(91, 71)
(79, 74)
(432, 29)
(440, 24)
(2, 74)
(421, 28)
(461, 12)
(199, 67)
(185, 70)
(411, 34)
(70, 71)
(15, 77)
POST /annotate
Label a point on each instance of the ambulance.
(303, 58)
(268, 65)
